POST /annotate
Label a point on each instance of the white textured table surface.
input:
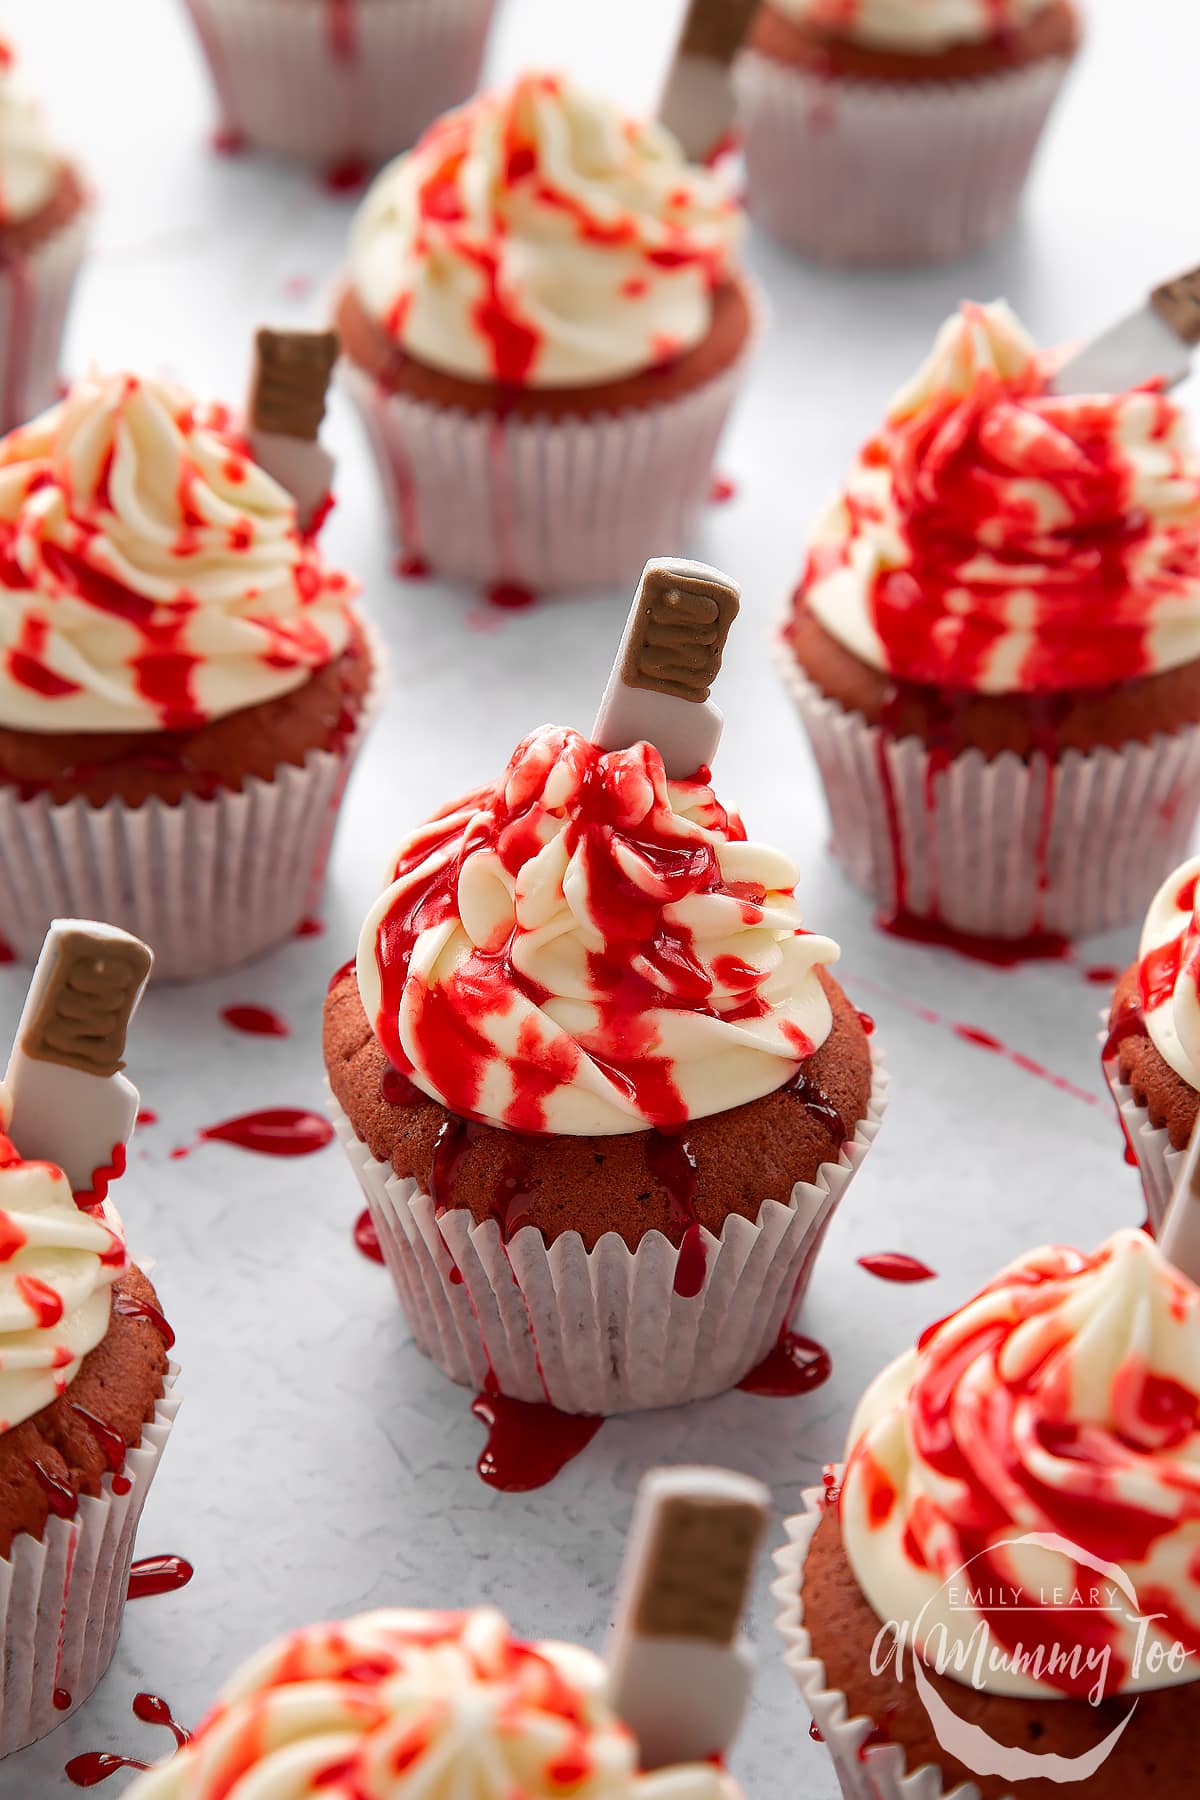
(320, 1465)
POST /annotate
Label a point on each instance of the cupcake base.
(62, 1596)
(35, 293)
(1001, 846)
(854, 171)
(337, 84)
(601, 1331)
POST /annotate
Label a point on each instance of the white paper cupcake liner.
(545, 504)
(857, 171)
(997, 846)
(208, 883)
(599, 1331)
(35, 293)
(1158, 1163)
(339, 81)
(882, 1773)
(62, 1595)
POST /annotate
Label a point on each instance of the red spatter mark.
(275, 1131)
(42, 1301)
(347, 177)
(997, 953)
(723, 488)
(7, 953)
(894, 1265)
(158, 1575)
(298, 286)
(867, 1023)
(89, 1198)
(227, 140)
(795, 1366)
(95, 1766)
(366, 1237)
(127, 1307)
(152, 1710)
(310, 928)
(147, 1116)
(256, 1021)
(413, 568)
(985, 1040)
(527, 1444)
(1102, 975)
(62, 1700)
(509, 596)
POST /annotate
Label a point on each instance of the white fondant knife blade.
(1155, 343)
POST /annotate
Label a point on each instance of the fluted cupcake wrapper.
(1000, 847)
(599, 1331)
(555, 503)
(209, 883)
(334, 84)
(1158, 1163)
(35, 293)
(860, 172)
(881, 1771)
(62, 1596)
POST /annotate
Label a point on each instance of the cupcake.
(1151, 1054)
(43, 233)
(897, 130)
(412, 1704)
(995, 646)
(544, 329)
(593, 1075)
(85, 1385)
(998, 1593)
(340, 83)
(185, 683)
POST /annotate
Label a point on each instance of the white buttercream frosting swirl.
(30, 161)
(1030, 1475)
(1169, 971)
(152, 576)
(924, 26)
(404, 1705)
(998, 537)
(588, 948)
(539, 237)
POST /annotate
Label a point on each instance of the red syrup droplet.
(673, 1165)
(310, 928)
(867, 1023)
(7, 953)
(127, 1307)
(510, 597)
(150, 1709)
(893, 1265)
(155, 1575)
(147, 1117)
(413, 568)
(814, 1732)
(122, 1485)
(1102, 975)
(227, 140)
(996, 952)
(366, 1237)
(721, 490)
(795, 1366)
(527, 1444)
(275, 1131)
(95, 1766)
(256, 1021)
(62, 1700)
(347, 177)
(339, 975)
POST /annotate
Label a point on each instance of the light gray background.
(320, 1465)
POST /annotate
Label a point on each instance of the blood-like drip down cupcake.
(589, 1066)
(545, 327)
(184, 682)
(86, 1401)
(995, 645)
(1000, 1587)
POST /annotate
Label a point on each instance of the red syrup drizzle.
(95, 1766)
(256, 1021)
(60, 1498)
(109, 1439)
(528, 1445)
(367, 1238)
(275, 1131)
(795, 1366)
(814, 1732)
(127, 1307)
(89, 1199)
(894, 1265)
(673, 1165)
(155, 1575)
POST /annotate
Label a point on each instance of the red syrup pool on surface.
(275, 1131)
(894, 1265)
(366, 1237)
(155, 1575)
(795, 1366)
(995, 952)
(256, 1021)
(528, 1445)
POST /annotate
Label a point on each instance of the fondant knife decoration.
(669, 657)
(71, 1105)
(284, 412)
(681, 1672)
(1179, 1237)
(1155, 343)
(697, 104)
